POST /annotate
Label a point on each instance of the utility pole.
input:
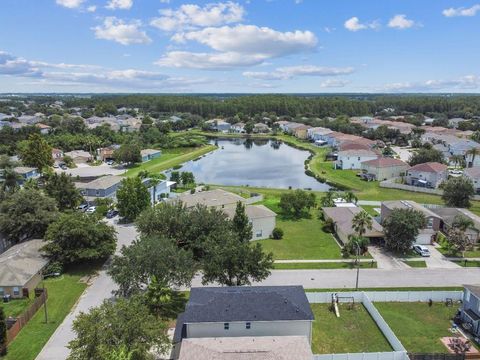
(358, 265)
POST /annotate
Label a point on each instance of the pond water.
(254, 162)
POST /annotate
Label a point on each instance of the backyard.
(63, 293)
(354, 331)
(418, 326)
(16, 307)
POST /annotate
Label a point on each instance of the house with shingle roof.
(473, 174)
(385, 168)
(244, 311)
(470, 311)
(429, 174)
(353, 159)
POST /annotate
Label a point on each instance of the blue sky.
(260, 46)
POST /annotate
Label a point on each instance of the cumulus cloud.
(467, 82)
(91, 8)
(289, 72)
(354, 24)
(71, 4)
(334, 83)
(401, 22)
(119, 4)
(461, 11)
(208, 61)
(191, 16)
(122, 32)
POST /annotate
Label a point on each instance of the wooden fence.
(23, 319)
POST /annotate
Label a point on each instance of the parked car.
(55, 165)
(83, 207)
(64, 167)
(110, 162)
(111, 214)
(91, 210)
(421, 250)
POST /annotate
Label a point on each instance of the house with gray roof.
(25, 173)
(21, 268)
(244, 311)
(216, 198)
(473, 174)
(449, 215)
(149, 154)
(470, 311)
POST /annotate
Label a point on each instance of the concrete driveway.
(436, 260)
(403, 153)
(385, 260)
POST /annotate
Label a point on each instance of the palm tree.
(473, 152)
(327, 199)
(349, 196)
(10, 180)
(456, 159)
(154, 180)
(361, 222)
(462, 223)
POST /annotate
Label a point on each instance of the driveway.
(403, 153)
(101, 288)
(385, 260)
(436, 260)
(92, 171)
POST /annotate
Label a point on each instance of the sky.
(243, 46)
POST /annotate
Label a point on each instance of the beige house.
(262, 219)
(79, 156)
(343, 218)
(21, 268)
(218, 198)
(385, 168)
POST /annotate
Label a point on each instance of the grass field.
(15, 307)
(169, 159)
(354, 331)
(470, 263)
(329, 265)
(468, 254)
(63, 293)
(416, 264)
(418, 326)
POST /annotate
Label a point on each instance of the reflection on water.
(254, 162)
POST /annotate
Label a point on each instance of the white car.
(91, 210)
(421, 250)
(83, 207)
(110, 162)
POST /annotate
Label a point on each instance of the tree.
(458, 160)
(153, 181)
(61, 188)
(10, 180)
(3, 333)
(361, 222)
(249, 126)
(457, 192)
(163, 301)
(128, 153)
(187, 178)
(175, 176)
(124, 324)
(462, 222)
(132, 198)
(78, 238)
(457, 239)
(36, 152)
(297, 202)
(149, 257)
(26, 214)
(349, 196)
(473, 152)
(401, 229)
(328, 199)
(241, 223)
(426, 155)
(231, 262)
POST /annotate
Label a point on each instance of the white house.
(262, 219)
(353, 159)
(238, 127)
(430, 174)
(474, 175)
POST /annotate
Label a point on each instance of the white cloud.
(12, 65)
(401, 22)
(334, 83)
(190, 16)
(354, 24)
(71, 4)
(119, 4)
(461, 11)
(122, 32)
(289, 72)
(208, 61)
(251, 39)
(467, 82)
(92, 8)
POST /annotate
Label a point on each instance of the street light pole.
(358, 266)
(44, 294)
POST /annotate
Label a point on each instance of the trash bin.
(6, 298)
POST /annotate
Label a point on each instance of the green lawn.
(354, 331)
(418, 326)
(329, 265)
(169, 159)
(416, 264)
(469, 263)
(63, 293)
(468, 254)
(15, 307)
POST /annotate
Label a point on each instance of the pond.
(256, 163)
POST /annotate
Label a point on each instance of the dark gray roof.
(474, 289)
(472, 314)
(249, 303)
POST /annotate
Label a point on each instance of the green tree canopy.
(36, 152)
(401, 229)
(77, 238)
(132, 198)
(26, 214)
(128, 153)
(62, 188)
(426, 155)
(241, 223)
(297, 202)
(457, 192)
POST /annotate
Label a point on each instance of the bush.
(277, 233)
(176, 167)
(54, 267)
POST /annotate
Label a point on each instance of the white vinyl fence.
(392, 355)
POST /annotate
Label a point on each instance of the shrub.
(277, 233)
(176, 167)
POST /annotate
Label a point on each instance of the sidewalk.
(322, 261)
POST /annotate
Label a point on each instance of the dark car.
(111, 214)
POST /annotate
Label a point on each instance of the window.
(359, 158)
(16, 291)
(226, 326)
(248, 325)
(259, 233)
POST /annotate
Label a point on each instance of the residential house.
(238, 128)
(353, 159)
(474, 175)
(426, 235)
(298, 130)
(219, 125)
(251, 348)
(448, 216)
(79, 156)
(342, 218)
(470, 311)
(318, 133)
(44, 129)
(262, 219)
(282, 125)
(430, 174)
(149, 154)
(218, 198)
(385, 168)
(260, 128)
(250, 311)
(107, 153)
(26, 173)
(454, 122)
(21, 268)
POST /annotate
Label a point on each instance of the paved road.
(100, 289)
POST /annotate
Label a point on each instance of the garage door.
(424, 239)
